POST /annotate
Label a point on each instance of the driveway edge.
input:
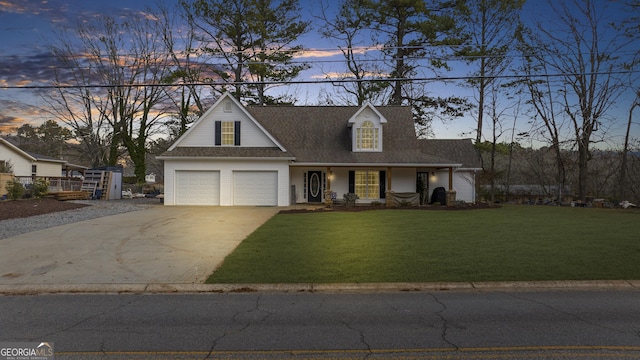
(36, 289)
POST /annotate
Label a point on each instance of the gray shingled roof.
(40, 157)
(459, 150)
(321, 135)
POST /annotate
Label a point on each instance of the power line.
(337, 51)
(323, 81)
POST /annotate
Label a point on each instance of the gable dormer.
(366, 129)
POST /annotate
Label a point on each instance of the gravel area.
(97, 208)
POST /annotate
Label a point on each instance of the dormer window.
(366, 127)
(367, 136)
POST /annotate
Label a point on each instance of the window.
(227, 133)
(367, 184)
(367, 137)
(34, 169)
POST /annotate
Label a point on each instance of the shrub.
(15, 190)
(40, 188)
(376, 203)
(350, 199)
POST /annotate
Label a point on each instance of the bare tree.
(584, 51)
(75, 103)
(541, 99)
(623, 180)
(179, 37)
(115, 70)
(630, 26)
(496, 114)
(490, 25)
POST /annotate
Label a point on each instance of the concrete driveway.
(167, 245)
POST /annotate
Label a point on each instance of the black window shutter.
(352, 182)
(383, 184)
(218, 133)
(236, 133)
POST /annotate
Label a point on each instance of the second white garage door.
(255, 188)
(197, 188)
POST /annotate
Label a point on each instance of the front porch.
(388, 186)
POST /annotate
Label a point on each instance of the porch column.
(451, 194)
(388, 179)
(328, 199)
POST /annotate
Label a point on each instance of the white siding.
(463, 183)
(204, 135)
(20, 165)
(48, 169)
(403, 180)
(340, 181)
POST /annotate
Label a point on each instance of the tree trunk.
(562, 176)
(583, 161)
(623, 180)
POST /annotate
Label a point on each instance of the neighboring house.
(26, 164)
(277, 156)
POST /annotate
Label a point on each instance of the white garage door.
(197, 188)
(256, 188)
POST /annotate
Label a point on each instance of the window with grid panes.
(227, 133)
(367, 136)
(367, 184)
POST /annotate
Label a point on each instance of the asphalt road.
(401, 325)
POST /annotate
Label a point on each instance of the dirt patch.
(13, 209)
(372, 208)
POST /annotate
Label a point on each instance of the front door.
(314, 186)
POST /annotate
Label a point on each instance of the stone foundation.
(451, 198)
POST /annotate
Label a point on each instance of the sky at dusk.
(27, 25)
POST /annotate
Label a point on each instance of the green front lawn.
(502, 244)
